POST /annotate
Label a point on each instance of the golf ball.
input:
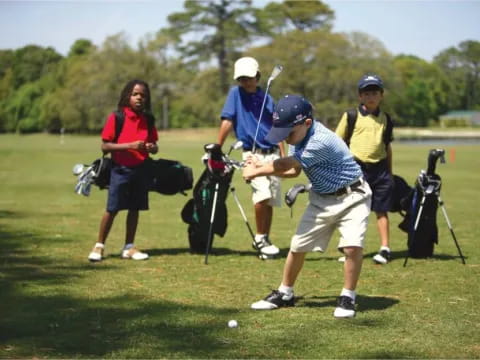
(232, 324)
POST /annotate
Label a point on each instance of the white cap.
(245, 66)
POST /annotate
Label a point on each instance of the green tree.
(277, 18)
(323, 66)
(32, 62)
(421, 93)
(462, 66)
(221, 28)
(81, 47)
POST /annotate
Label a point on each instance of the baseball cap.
(370, 80)
(290, 111)
(245, 66)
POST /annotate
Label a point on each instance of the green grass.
(54, 304)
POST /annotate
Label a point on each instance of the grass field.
(55, 304)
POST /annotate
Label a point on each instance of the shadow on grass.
(396, 256)
(6, 213)
(220, 251)
(364, 303)
(39, 318)
(64, 327)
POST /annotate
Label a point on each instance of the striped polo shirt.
(325, 159)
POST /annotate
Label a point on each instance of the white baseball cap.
(245, 66)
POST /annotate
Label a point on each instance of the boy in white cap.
(241, 113)
(338, 199)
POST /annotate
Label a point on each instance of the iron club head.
(275, 72)
(77, 169)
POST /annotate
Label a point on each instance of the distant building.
(460, 118)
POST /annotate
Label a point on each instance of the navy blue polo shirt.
(243, 110)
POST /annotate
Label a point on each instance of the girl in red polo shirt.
(128, 188)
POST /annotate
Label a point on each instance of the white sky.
(421, 28)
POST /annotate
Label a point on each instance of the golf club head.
(275, 72)
(77, 169)
(237, 145)
(78, 187)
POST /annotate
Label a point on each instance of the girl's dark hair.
(127, 92)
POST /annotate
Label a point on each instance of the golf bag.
(169, 177)
(197, 212)
(102, 168)
(97, 173)
(420, 222)
(400, 195)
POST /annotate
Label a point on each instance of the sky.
(422, 28)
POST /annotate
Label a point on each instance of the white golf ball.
(232, 324)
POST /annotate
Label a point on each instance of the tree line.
(189, 66)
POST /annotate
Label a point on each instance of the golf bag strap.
(119, 121)
(352, 115)
(351, 120)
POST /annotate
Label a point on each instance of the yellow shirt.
(366, 143)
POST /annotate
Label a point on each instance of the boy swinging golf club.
(338, 199)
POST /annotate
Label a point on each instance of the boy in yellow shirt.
(370, 143)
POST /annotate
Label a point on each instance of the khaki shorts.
(266, 187)
(325, 213)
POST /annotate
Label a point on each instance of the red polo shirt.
(135, 128)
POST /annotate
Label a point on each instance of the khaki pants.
(266, 187)
(325, 213)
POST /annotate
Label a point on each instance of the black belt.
(264, 151)
(348, 189)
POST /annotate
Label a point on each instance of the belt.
(348, 189)
(264, 151)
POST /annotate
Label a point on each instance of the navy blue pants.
(128, 188)
(381, 183)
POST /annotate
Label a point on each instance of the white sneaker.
(97, 253)
(273, 301)
(341, 259)
(265, 246)
(383, 257)
(345, 307)
(134, 254)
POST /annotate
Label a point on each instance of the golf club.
(260, 255)
(77, 169)
(85, 179)
(235, 146)
(210, 229)
(275, 72)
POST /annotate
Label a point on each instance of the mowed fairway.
(55, 304)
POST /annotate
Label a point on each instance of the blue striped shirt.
(325, 159)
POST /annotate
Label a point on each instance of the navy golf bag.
(422, 216)
(420, 222)
(400, 195)
(209, 194)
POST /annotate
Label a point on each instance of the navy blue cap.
(370, 80)
(289, 111)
